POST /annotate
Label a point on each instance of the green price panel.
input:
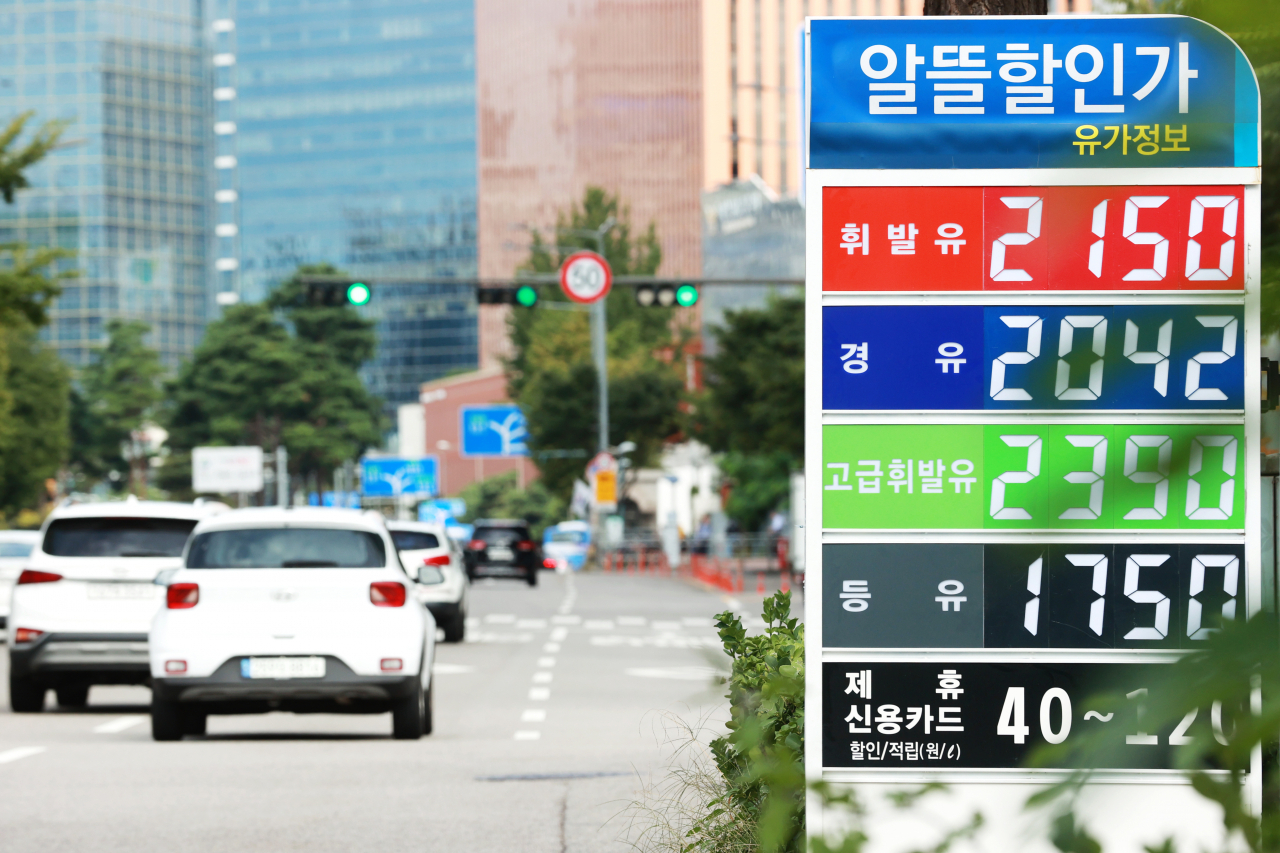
(1033, 476)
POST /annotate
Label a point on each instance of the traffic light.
(335, 293)
(666, 295)
(526, 295)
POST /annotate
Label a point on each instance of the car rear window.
(501, 535)
(15, 549)
(117, 537)
(575, 536)
(413, 540)
(287, 548)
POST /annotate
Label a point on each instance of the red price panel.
(1033, 238)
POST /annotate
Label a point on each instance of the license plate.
(121, 591)
(312, 667)
(500, 554)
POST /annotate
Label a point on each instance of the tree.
(252, 381)
(498, 497)
(986, 7)
(122, 388)
(552, 374)
(36, 443)
(753, 407)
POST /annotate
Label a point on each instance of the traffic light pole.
(599, 350)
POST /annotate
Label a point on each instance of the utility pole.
(599, 350)
(282, 476)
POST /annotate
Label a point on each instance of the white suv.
(304, 610)
(435, 561)
(83, 603)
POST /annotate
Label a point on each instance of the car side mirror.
(430, 575)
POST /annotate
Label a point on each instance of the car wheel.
(194, 722)
(532, 577)
(73, 696)
(429, 713)
(25, 695)
(408, 714)
(166, 720)
(455, 630)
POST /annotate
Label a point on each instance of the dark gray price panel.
(992, 715)
(1065, 596)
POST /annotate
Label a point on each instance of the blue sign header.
(1127, 91)
(387, 477)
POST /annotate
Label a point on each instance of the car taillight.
(392, 664)
(524, 545)
(32, 576)
(181, 596)
(387, 594)
(438, 560)
(175, 667)
(27, 635)
(476, 544)
(548, 563)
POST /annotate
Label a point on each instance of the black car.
(502, 547)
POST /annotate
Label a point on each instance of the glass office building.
(127, 189)
(346, 133)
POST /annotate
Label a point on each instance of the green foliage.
(552, 374)
(753, 406)
(36, 440)
(762, 757)
(119, 393)
(759, 483)
(13, 164)
(26, 290)
(754, 402)
(1226, 670)
(499, 497)
(252, 381)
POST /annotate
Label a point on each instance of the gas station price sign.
(1032, 346)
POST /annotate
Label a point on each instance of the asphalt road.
(549, 721)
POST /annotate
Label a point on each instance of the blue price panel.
(1033, 357)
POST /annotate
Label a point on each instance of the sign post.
(586, 278)
(1032, 431)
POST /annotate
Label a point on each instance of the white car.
(291, 609)
(435, 560)
(15, 548)
(83, 603)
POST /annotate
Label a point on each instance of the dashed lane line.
(119, 724)
(21, 752)
(542, 677)
(452, 669)
(546, 663)
(528, 735)
(534, 715)
(539, 694)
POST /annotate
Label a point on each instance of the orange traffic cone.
(759, 583)
(786, 581)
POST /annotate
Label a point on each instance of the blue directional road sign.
(1033, 357)
(493, 431)
(388, 477)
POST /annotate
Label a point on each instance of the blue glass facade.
(346, 132)
(127, 190)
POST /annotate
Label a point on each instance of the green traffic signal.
(358, 293)
(686, 295)
(527, 296)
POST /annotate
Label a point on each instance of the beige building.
(655, 100)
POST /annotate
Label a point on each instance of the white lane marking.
(566, 620)
(598, 624)
(678, 673)
(539, 694)
(542, 677)
(632, 621)
(546, 663)
(662, 641)
(497, 637)
(19, 753)
(452, 669)
(558, 634)
(528, 735)
(500, 619)
(697, 621)
(531, 624)
(551, 647)
(473, 621)
(570, 596)
(665, 626)
(119, 724)
(534, 715)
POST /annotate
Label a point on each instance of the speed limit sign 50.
(585, 277)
